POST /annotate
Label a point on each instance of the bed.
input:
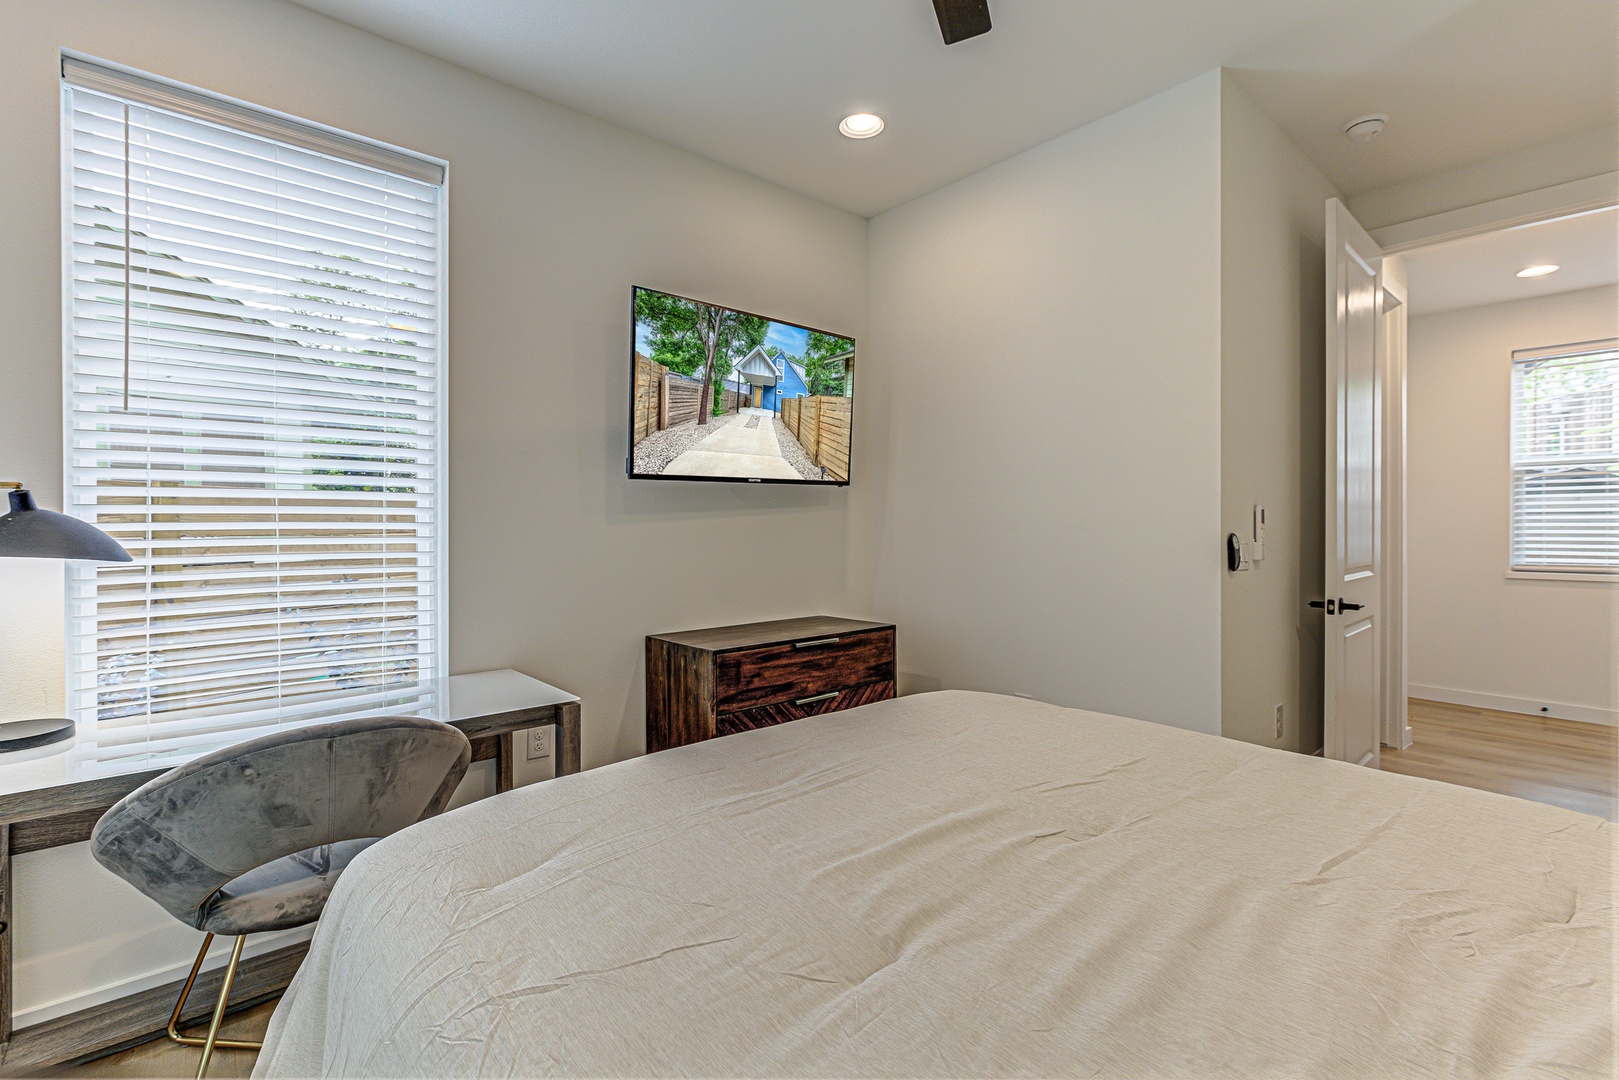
(963, 884)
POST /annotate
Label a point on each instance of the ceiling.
(1483, 269)
(761, 86)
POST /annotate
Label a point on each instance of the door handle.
(1345, 605)
(1330, 605)
(828, 696)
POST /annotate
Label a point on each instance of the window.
(1565, 459)
(255, 385)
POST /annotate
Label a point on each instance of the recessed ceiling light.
(1539, 271)
(1363, 128)
(861, 125)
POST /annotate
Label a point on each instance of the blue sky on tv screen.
(792, 340)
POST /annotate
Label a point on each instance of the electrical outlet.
(1278, 723)
(539, 742)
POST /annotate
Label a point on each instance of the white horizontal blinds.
(254, 412)
(1565, 459)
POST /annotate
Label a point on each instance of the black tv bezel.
(629, 430)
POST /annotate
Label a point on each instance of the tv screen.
(721, 394)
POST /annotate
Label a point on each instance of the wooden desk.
(54, 799)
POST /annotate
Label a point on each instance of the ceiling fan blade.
(962, 19)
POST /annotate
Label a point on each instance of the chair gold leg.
(185, 991)
(219, 1007)
(179, 1006)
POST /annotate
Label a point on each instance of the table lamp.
(28, 532)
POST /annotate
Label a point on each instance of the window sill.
(1555, 575)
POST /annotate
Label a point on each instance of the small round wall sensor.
(1364, 128)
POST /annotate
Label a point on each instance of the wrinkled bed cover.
(962, 884)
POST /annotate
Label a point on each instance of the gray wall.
(1043, 503)
(1272, 345)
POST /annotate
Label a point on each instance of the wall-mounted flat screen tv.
(722, 394)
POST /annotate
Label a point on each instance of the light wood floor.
(162, 1058)
(1560, 762)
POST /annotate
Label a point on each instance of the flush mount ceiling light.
(861, 125)
(1539, 271)
(1364, 128)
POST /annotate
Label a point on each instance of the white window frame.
(1527, 571)
(91, 73)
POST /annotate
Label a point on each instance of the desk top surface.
(774, 632)
(149, 743)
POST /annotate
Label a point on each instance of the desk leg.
(5, 933)
(505, 760)
(567, 749)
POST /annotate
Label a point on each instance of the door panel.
(1358, 694)
(1359, 416)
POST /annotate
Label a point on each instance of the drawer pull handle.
(828, 696)
(816, 641)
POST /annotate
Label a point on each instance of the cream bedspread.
(962, 884)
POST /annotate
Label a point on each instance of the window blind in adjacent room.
(1565, 459)
(255, 411)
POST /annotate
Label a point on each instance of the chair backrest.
(180, 837)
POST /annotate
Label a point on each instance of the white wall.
(559, 566)
(1043, 507)
(1476, 636)
(1573, 157)
(1273, 343)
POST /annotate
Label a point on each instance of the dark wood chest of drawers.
(705, 683)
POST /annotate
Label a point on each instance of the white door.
(1353, 685)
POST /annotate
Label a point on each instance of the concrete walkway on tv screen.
(737, 449)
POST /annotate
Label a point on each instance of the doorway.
(1508, 533)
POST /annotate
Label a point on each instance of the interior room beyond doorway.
(1512, 512)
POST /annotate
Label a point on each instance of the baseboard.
(1584, 714)
(129, 1021)
(257, 945)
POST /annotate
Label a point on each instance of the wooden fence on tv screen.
(664, 399)
(682, 395)
(648, 405)
(821, 426)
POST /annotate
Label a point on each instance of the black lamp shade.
(31, 533)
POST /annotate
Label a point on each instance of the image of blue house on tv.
(765, 380)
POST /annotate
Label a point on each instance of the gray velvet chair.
(253, 837)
